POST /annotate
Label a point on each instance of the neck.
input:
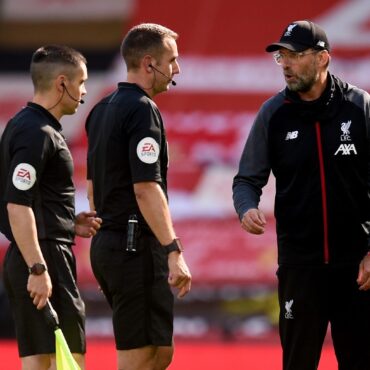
(144, 82)
(49, 103)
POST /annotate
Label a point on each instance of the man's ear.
(147, 63)
(60, 82)
(324, 57)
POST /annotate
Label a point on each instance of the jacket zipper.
(323, 192)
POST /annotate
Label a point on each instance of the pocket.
(109, 249)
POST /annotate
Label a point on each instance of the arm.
(86, 224)
(154, 207)
(23, 225)
(363, 279)
(253, 174)
(90, 195)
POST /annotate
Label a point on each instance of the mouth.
(289, 77)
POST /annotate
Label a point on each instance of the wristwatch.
(37, 269)
(175, 245)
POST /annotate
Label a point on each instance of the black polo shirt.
(36, 170)
(127, 145)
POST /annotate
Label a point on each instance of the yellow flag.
(64, 358)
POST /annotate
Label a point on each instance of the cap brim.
(290, 46)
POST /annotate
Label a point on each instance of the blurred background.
(225, 76)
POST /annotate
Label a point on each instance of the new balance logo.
(346, 149)
(291, 135)
(288, 309)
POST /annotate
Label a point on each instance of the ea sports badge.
(148, 150)
(24, 176)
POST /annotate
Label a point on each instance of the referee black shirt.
(36, 170)
(127, 145)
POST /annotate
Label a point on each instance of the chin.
(71, 111)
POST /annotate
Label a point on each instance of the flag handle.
(51, 316)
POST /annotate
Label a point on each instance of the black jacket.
(319, 154)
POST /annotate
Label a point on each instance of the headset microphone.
(171, 80)
(78, 101)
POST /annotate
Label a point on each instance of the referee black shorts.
(33, 335)
(136, 287)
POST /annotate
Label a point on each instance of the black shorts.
(136, 286)
(33, 335)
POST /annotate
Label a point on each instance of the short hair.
(49, 61)
(145, 38)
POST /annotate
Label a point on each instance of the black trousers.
(312, 297)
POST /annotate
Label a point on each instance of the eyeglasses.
(291, 56)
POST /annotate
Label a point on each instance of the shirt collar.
(129, 85)
(51, 119)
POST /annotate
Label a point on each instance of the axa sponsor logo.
(288, 310)
(291, 135)
(344, 126)
(346, 149)
(289, 30)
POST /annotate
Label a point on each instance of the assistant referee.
(37, 212)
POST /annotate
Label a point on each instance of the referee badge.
(148, 150)
(24, 176)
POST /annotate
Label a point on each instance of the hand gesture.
(179, 275)
(40, 288)
(86, 224)
(363, 279)
(254, 221)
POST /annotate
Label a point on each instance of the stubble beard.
(304, 82)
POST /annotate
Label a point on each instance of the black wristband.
(175, 245)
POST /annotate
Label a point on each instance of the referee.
(37, 212)
(136, 257)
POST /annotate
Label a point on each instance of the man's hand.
(363, 279)
(179, 276)
(86, 224)
(254, 221)
(40, 288)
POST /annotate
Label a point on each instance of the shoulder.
(124, 99)
(353, 93)
(274, 102)
(270, 106)
(29, 123)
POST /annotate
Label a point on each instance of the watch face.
(37, 269)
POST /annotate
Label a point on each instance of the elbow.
(11, 208)
(143, 190)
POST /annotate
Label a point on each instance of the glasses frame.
(292, 56)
